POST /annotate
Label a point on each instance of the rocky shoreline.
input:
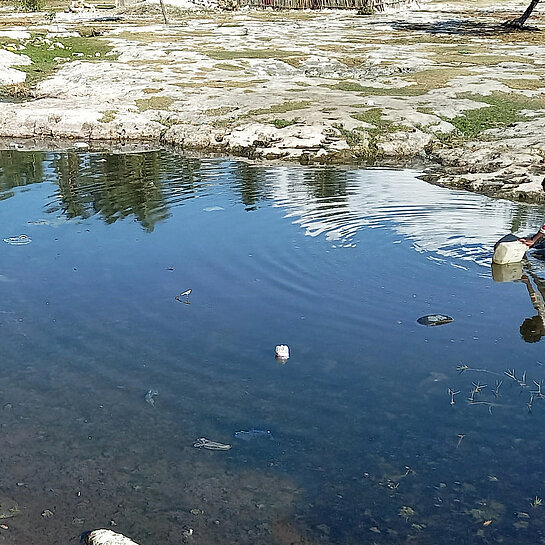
(439, 83)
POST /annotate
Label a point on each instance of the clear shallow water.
(336, 263)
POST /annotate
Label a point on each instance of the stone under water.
(107, 537)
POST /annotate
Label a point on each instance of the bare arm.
(531, 241)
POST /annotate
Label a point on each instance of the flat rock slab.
(312, 86)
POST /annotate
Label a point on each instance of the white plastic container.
(282, 352)
(509, 250)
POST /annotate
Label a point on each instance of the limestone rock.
(107, 537)
(404, 144)
(509, 250)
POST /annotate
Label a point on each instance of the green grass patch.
(346, 85)
(522, 84)
(358, 140)
(219, 84)
(283, 123)
(295, 62)
(223, 110)
(282, 108)
(373, 116)
(435, 78)
(227, 66)
(15, 92)
(425, 110)
(48, 55)
(107, 116)
(229, 54)
(449, 57)
(154, 103)
(502, 109)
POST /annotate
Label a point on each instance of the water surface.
(337, 263)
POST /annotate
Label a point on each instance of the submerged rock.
(107, 537)
(434, 319)
(248, 435)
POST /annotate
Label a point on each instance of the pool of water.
(369, 442)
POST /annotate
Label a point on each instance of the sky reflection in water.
(369, 445)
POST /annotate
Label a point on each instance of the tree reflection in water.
(113, 186)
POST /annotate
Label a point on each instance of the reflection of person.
(532, 329)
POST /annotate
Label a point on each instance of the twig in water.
(463, 367)
(452, 393)
(460, 438)
(477, 388)
(489, 404)
(539, 392)
(496, 390)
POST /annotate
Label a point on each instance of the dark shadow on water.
(461, 27)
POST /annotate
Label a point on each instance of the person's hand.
(528, 241)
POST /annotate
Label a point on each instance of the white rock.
(107, 537)
(10, 75)
(8, 58)
(509, 250)
(15, 34)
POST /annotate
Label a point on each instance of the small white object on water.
(282, 352)
(184, 296)
(203, 442)
(18, 241)
(150, 397)
(107, 537)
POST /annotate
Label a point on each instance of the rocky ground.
(438, 81)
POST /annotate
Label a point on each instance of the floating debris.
(406, 512)
(282, 352)
(18, 241)
(460, 439)
(203, 442)
(184, 296)
(434, 319)
(8, 512)
(150, 397)
(253, 434)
